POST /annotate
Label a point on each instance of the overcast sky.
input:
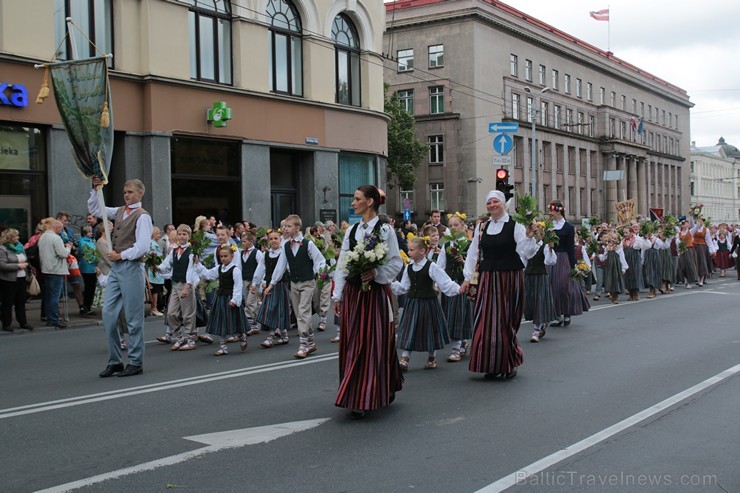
(695, 46)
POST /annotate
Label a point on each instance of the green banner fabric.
(81, 90)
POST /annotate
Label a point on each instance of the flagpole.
(609, 29)
(99, 190)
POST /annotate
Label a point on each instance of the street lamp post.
(535, 97)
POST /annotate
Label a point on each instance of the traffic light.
(502, 183)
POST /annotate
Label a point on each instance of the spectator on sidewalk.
(53, 253)
(86, 251)
(13, 275)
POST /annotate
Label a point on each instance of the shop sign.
(219, 115)
(13, 95)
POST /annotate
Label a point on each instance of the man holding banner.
(126, 282)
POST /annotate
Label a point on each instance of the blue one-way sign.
(511, 127)
(503, 143)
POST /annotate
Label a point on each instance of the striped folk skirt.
(687, 266)
(274, 313)
(369, 374)
(423, 326)
(496, 319)
(613, 274)
(225, 320)
(539, 306)
(567, 292)
(653, 274)
(633, 277)
(668, 266)
(703, 261)
(458, 311)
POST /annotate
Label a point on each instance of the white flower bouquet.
(369, 253)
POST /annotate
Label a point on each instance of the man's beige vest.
(124, 232)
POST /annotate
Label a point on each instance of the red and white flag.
(600, 15)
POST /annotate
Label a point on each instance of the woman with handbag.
(498, 252)
(13, 280)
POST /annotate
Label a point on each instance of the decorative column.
(611, 189)
(642, 201)
(632, 181)
(622, 184)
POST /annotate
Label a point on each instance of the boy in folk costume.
(181, 309)
(303, 260)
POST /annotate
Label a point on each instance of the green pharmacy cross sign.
(220, 114)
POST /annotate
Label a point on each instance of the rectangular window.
(436, 99)
(622, 129)
(543, 75)
(210, 47)
(612, 127)
(589, 91)
(437, 196)
(515, 106)
(354, 170)
(642, 110)
(405, 60)
(406, 98)
(569, 119)
(436, 56)
(95, 22)
(556, 116)
(634, 106)
(650, 112)
(543, 113)
(623, 100)
(555, 79)
(663, 117)
(613, 99)
(602, 95)
(528, 70)
(514, 65)
(436, 149)
(579, 88)
(530, 110)
(591, 125)
(580, 122)
(566, 83)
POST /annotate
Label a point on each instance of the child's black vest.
(300, 264)
(422, 285)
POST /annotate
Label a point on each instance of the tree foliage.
(405, 151)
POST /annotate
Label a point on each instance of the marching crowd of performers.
(468, 286)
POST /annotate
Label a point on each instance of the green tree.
(405, 151)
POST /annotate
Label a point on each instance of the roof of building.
(722, 149)
(408, 4)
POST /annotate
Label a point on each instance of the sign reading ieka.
(13, 95)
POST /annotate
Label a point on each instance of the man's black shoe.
(111, 370)
(131, 370)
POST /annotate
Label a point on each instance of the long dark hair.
(371, 192)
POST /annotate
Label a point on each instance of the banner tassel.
(44, 91)
(105, 116)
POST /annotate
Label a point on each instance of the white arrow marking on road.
(216, 441)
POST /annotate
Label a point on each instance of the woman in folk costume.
(498, 252)
(653, 266)
(668, 257)
(616, 266)
(369, 375)
(569, 297)
(632, 246)
(722, 255)
(703, 247)
(539, 306)
(423, 326)
(686, 256)
(458, 309)
(227, 317)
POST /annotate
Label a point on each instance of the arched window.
(347, 60)
(209, 23)
(94, 18)
(286, 48)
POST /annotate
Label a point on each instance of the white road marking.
(156, 387)
(559, 456)
(214, 441)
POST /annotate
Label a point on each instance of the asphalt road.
(449, 430)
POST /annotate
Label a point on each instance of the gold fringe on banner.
(105, 116)
(44, 91)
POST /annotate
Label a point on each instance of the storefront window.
(23, 200)
(354, 170)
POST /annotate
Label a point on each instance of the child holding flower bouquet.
(539, 306)
(227, 317)
(616, 266)
(274, 313)
(458, 309)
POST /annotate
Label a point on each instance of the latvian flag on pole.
(600, 15)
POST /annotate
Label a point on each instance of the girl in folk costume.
(722, 255)
(423, 326)
(369, 375)
(686, 256)
(227, 317)
(581, 254)
(499, 250)
(458, 309)
(539, 306)
(703, 247)
(433, 250)
(632, 246)
(668, 257)
(566, 291)
(599, 265)
(616, 266)
(274, 313)
(652, 263)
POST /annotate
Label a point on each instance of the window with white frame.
(210, 40)
(286, 48)
(406, 98)
(543, 75)
(589, 91)
(622, 129)
(530, 110)
(634, 106)
(569, 119)
(436, 99)
(405, 60)
(436, 149)
(566, 83)
(528, 70)
(556, 116)
(580, 122)
(544, 113)
(579, 88)
(612, 127)
(624, 102)
(347, 60)
(591, 125)
(514, 65)
(642, 110)
(437, 196)
(436, 56)
(555, 79)
(515, 99)
(613, 99)
(602, 95)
